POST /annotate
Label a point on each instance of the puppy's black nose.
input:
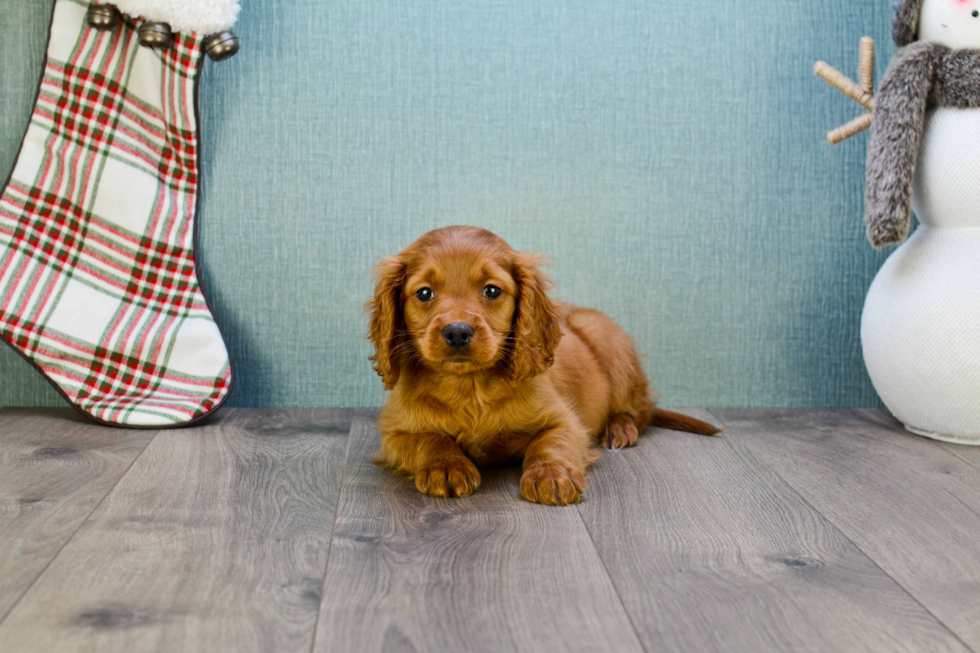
(458, 334)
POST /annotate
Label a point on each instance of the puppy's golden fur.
(539, 380)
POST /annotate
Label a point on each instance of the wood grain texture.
(55, 468)
(490, 572)
(968, 454)
(215, 540)
(712, 551)
(909, 505)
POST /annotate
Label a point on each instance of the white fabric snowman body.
(921, 324)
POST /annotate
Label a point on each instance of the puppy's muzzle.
(458, 335)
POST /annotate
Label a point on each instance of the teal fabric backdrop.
(668, 155)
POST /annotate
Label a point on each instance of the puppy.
(484, 368)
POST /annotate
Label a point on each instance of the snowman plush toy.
(921, 324)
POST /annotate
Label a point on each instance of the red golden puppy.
(484, 368)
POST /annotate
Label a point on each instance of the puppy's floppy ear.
(537, 320)
(387, 324)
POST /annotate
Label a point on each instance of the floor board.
(215, 540)
(490, 572)
(55, 468)
(270, 530)
(711, 551)
(911, 506)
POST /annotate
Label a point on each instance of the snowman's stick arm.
(863, 94)
(853, 128)
(837, 79)
(866, 65)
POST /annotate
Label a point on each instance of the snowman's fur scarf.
(201, 16)
(906, 21)
(921, 75)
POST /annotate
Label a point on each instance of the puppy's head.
(459, 300)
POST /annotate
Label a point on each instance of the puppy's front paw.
(453, 477)
(553, 484)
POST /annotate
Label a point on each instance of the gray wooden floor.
(796, 530)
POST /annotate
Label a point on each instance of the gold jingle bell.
(222, 45)
(102, 17)
(156, 35)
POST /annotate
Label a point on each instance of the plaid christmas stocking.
(98, 282)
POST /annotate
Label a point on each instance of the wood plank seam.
(333, 530)
(843, 534)
(612, 581)
(4, 616)
(953, 450)
(966, 460)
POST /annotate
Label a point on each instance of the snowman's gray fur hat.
(906, 21)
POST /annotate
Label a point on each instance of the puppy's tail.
(667, 419)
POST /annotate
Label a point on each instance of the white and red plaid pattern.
(98, 283)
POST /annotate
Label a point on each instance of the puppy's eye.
(976, 14)
(425, 295)
(492, 292)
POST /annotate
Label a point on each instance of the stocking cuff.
(201, 16)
